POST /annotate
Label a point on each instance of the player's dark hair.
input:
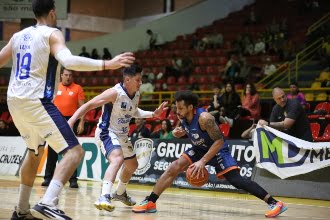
(42, 7)
(188, 97)
(132, 70)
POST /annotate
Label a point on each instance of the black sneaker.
(44, 211)
(74, 184)
(17, 216)
(45, 183)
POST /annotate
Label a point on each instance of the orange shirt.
(67, 98)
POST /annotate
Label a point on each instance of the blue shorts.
(222, 161)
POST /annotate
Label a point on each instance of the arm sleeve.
(143, 114)
(72, 62)
(81, 94)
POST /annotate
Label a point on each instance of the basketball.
(194, 180)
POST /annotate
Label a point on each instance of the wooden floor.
(174, 204)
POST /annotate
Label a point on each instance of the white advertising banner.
(285, 156)
(12, 152)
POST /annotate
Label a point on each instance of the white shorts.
(107, 141)
(39, 121)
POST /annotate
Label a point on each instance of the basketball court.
(175, 204)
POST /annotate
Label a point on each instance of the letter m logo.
(271, 148)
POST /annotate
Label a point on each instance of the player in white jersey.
(36, 52)
(120, 104)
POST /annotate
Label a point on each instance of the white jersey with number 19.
(35, 72)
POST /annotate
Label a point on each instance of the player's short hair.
(188, 97)
(42, 7)
(132, 70)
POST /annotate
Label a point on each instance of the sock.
(121, 187)
(106, 187)
(153, 197)
(270, 200)
(53, 190)
(24, 197)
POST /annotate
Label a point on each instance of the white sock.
(53, 190)
(24, 197)
(106, 187)
(121, 187)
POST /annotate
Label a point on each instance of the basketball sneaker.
(145, 206)
(45, 211)
(276, 209)
(18, 216)
(124, 198)
(104, 203)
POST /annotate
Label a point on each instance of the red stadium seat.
(326, 135)
(315, 128)
(225, 129)
(90, 116)
(182, 80)
(171, 80)
(203, 80)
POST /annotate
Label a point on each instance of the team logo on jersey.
(195, 136)
(143, 149)
(27, 37)
(123, 105)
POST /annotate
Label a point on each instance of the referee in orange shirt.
(70, 96)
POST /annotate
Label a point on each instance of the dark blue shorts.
(222, 161)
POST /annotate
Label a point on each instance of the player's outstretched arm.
(107, 96)
(72, 62)
(5, 54)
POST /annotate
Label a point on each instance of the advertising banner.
(155, 155)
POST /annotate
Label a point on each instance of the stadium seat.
(90, 116)
(326, 135)
(225, 129)
(323, 106)
(321, 97)
(203, 80)
(182, 80)
(316, 85)
(192, 79)
(171, 80)
(324, 76)
(131, 129)
(309, 97)
(315, 128)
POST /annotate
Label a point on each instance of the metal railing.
(318, 23)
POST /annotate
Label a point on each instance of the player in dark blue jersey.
(209, 148)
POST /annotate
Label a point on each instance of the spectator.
(106, 54)
(269, 68)
(232, 68)
(296, 94)
(230, 100)
(154, 40)
(214, 106)
(224, 119)
(250, 102)
(95, 55)
(146, 86)
(187, 65)
(70, 96)
(84, 53)
(175, 68)
(289, 116)
(248, 133)
(165, 132)
(4, 131)
(259, 47)
(141, 131)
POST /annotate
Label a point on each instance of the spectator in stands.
(175, 68)
(232, 68)
(248, 133)
(223, 118)
(289, 116)
(95, 54)
(259, 47)
(172, 116)
(70, 96)
(296, 94)
(269, 68)
(154, 40)
(141, 131)
(106, 54)
(165, 132)
(230, 100)
(250, 102)
(146, 86)
(214, 107)
(252, 18)
(187, 65)
(84, 53)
